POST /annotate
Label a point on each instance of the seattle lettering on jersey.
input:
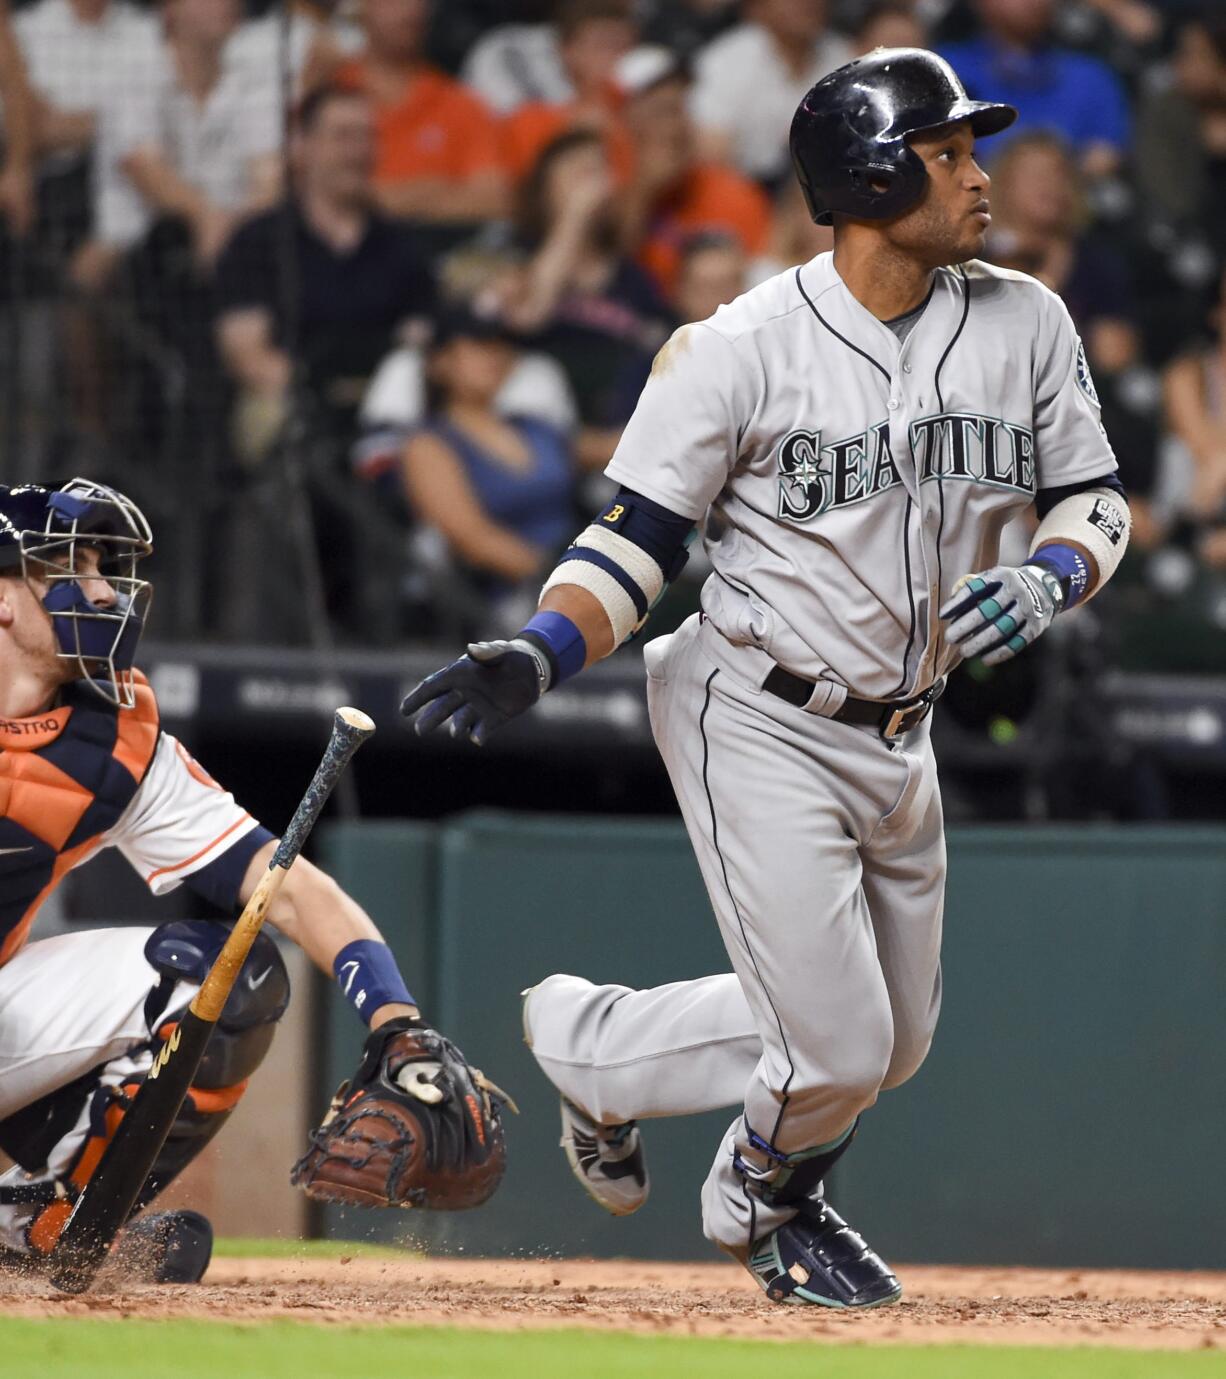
(816, 478)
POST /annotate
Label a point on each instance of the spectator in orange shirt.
(593, 36)
(672, 195)
(439, 155)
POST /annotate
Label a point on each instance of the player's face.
(28, 623)
(951, 223)
(94, 584)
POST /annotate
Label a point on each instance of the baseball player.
(851, 437)
(85, 765)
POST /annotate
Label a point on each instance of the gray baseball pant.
(822, 851)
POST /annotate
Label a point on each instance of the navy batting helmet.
(849, 134)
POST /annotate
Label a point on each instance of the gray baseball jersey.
(851, 480)
(848, 481)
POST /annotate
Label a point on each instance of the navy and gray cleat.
(817, 1258)
(607, 1159)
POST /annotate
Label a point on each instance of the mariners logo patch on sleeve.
(1108, 519)
(1085, 380)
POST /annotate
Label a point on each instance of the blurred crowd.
(357, 299)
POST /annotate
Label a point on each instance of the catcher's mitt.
(414, 1127)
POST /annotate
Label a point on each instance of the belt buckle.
(893, 725)
(902, 720)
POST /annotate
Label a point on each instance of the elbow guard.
(1091, 526)
(626, 559)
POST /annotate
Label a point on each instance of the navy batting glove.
(495, 682)
(997, 613)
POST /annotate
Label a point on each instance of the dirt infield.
(1006, 1306)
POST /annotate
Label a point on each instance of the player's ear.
(7, 607)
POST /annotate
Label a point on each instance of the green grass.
(72, 1349)
(269, 1247)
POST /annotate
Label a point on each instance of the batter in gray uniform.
(851, 436)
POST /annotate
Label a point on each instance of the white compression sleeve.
(1097, 522)
(626, 595)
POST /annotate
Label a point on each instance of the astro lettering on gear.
(25, 727)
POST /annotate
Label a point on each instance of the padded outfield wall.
(1073, 1109)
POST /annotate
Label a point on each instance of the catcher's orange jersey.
(66, 777)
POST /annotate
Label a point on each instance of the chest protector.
(66, 777)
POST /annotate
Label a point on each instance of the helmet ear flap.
(890, 188)
(812, 196)
(873, 181)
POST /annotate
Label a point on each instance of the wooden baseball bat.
(107, 1199)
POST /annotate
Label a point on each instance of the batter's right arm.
(673, 458)
(599, 595)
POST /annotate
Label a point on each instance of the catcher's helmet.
(849, 134)
(40, 529)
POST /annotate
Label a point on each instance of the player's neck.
(882, 280)
(23, 692)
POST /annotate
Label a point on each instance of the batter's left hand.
(999, 612)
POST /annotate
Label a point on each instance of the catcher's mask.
(41, 533)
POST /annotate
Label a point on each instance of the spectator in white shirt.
(315, 39)
(517, 63)
(199, 144)
(80, 55)
(749, 81)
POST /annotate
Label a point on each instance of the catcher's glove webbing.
(414, 1127)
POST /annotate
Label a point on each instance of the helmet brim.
(985, 118)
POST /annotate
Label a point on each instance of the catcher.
(85, 765)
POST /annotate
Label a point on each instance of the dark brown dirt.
(1006, 1306)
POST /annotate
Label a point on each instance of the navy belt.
(891, 719)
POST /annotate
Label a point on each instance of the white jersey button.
(906, 368)
(893, 402)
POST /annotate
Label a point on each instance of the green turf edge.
(68, 1348)
(272, 1247)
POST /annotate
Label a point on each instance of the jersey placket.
(921, 556)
